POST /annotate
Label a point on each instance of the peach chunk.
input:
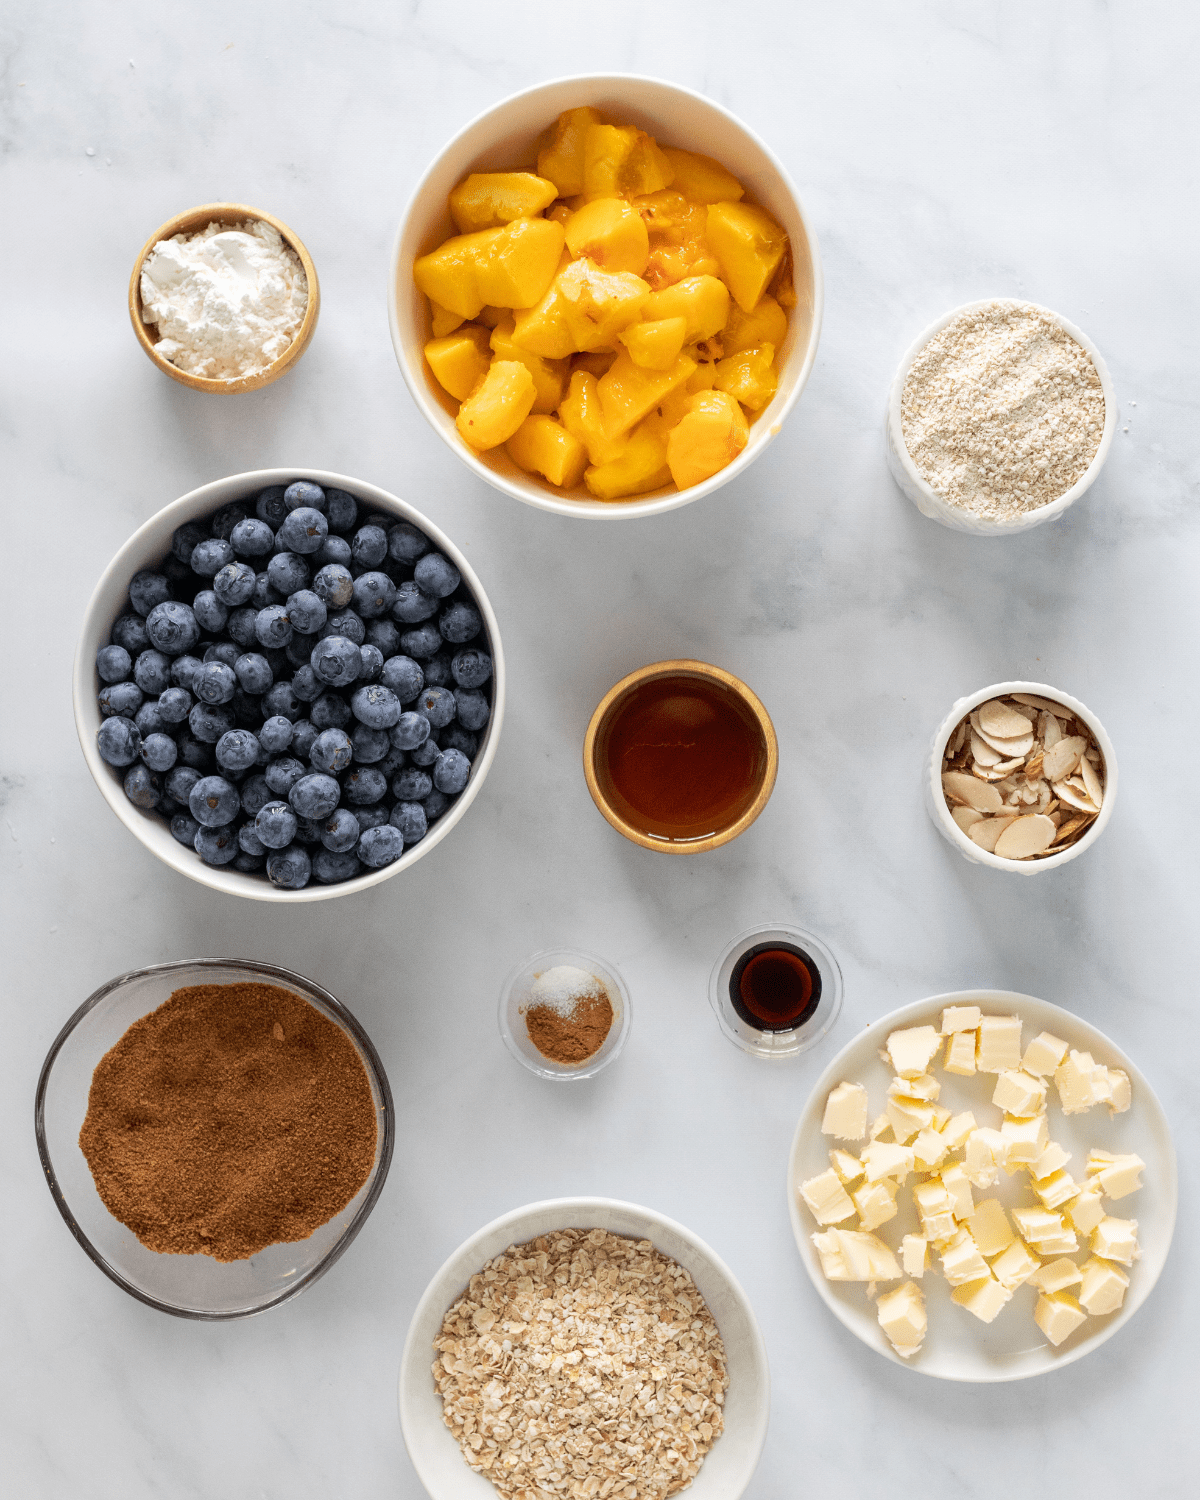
(493, 413)
(561, 158)
(749, 246)
(549, 375)
(611, 234)
(766, 323)
(581, 414)
(710, 435)
(620, 161)
(749, 376)
(628, 393)
(543, 446)
(485, 200)
(460, 360)
(702, 179)
(703, 301)
(642, 465)
(657, 345)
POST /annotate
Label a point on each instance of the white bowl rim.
(531, 493)
(87, 719)
(951, 829)
(983, 524)
(756, 1435)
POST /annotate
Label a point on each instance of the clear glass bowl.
(190, 1286)
(776, 1043)
(515, 995)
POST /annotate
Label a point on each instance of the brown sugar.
(573, 1036)
(231, 1118)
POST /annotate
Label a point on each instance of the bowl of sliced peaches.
(605, 296)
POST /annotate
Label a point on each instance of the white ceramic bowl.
(926, 498)
(146, 548)
(935, 799)
(731, 1461)
(504, 137)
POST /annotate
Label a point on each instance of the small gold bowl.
(191, 222)
(596, 741)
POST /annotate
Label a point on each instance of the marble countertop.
(945, 153)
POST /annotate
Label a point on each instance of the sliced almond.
(1031, 700)
(1091, 782)
(1004, 722)
(1025, 837)
(1050, 730)
(1020, 744)
(1061, 759)
(987, 773)
(1071, 797)
(1033, 767)
(1073, 825)
(986, 833)
(965, 816)
(1006, 767)
(968, 790)
(956, 742)
(982, 753)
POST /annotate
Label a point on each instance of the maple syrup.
(775, 987)
(680, 757)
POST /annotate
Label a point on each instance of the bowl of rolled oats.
(584, 1347)
(1022, 777)
(999, 418)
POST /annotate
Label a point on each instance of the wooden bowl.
(680, 668)
(195, 219)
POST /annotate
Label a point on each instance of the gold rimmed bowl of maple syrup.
(680, 756)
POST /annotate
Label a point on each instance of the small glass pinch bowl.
(515, 997)
(188, 1286)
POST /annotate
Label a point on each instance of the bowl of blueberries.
(289, 687)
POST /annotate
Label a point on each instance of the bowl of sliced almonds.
(1022, 777)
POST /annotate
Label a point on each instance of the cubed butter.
(1057, 1275)
(1103, 1288)
(907, 1117)
(1027, 1139)
(912, 1049)
(846, 1112)
(1019, 1093)
(1120, 1177)
(883, 1159)
(914, 1254)
(990, 1228)
(1056, 1189)
(902, 1318)
(960, 1053)
(1043, 1229)
(1051, 1159)
(881, 1126)
(1043, 1054)
(957, 1184)
(999, 1044)
(961, 1260)
(958, 1128)
(936, 1210)
(959, 1018)
(928, 1149)
(925, 1088)
(1085, 1210)
(833, 1262)
(866, 1257)
(1014, 1266)
(875, 1202)
(1116, 1239)
(1058, 1316)
(984, 1297)
(827, 1198)
(848, 1167)
(987, 1153)
(1073, 1080)
(1120, 1095)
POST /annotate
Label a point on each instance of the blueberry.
(265, 591)
(385, 637)
(148, 590)
(183, 669)
(303, 531)
(304, 493)
(460, 622)
(436, 804)
(473, 708)
(275, 825)
(237, 750)
(426, 752)
(409, 731)
(409, 818)
(269, 506)
(406, 543)
(334, 586)
(159, 751)
(392, 762)
(437, 670)
(283, 773)
(214, 801)
(143, 787)
(214, 683)
(422, 642)
(276, 734)
(167, 806)
(130, 631)
(412, 605)
(249, 864)
(234, 584)
(330, 711)
(287, 572)
(451, 772)
(373, 816)
(306, 610)
(209, 610)
(179, 783)
(240, 627)
(436, 574)
(380, 846)
(374, 594)
(249, 841)
(253, 673)
(341, 831)
(372, 663)
(208, 722)
(289, 868)
(184, 829)
(364, 785)
(304, 732)
(308, 831)
(456, 738)
(331, 869)
(369, 546)
(252, 538)
(216, 846)
(149, 720)
(172, 627)
(195, 753)
(255, 793)
(224, 651)
(315, 796)
(342, 510)
(306, 685)
(370, 745)
(226, 520)
(152, 672)
(336, 660)
(332, 750)
(208, 558)
(334, 549)
(299, 650)
(185, 539)
(471, 668)
(412, 784)
(437, 704)
(376, 706)
(404, 676)
(121, 698)
(272, 626)
(113, 664)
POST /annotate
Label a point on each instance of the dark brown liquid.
(680, 757)
(775, 987)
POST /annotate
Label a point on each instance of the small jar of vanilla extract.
(776, 991)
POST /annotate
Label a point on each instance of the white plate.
(958, 1346)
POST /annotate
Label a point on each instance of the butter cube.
(882, 1159)
(926, 1088)
(1073, 1080)
(902, 1318)
(990, 1228)
(848, 1167)
(999, 1044)
(1120, 1095)
(936, 1210)
(1103, 1289)
(1056, 1189)
(961, 1260)
(827, 1198)
(929, 1148)
(959, 1018)
(1085, 1210)
(958, 1129)
(1057, 1275)
(954, 1180)
(833, 1262)
(875, 1202)
(912, 1049)
(1027, 1139)
(1043, 1054)
(1019, 1093)
(846, 1112)
(984, 1297)
(960, 1053)
(867, 1258)
(941, 1116)
(1044, 1230)
(1065, 1242)
(907, 1117)
(914, 1254)
(987, 1152)
(1116, 1239)
(1118, 1178)
(1051, 1159)
(1058, 1315)
(880, 1127)
(1014, 1266)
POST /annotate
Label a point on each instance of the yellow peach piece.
(598, 304)
(549, 375)
(657, 345)
(620, 161)
(702, 301)
(702, 179)
(580, 414)
(493, 413)
(641, 467)
(749, 246)
(460, 360)
(442, 320)
(628, 393)
(449, 275)
(611, 234)
(485, 200)
(712, 434)
(543, 446)
(520, 262)
(749, 376)
(765, 323)
(561, 158)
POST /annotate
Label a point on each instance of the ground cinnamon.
(574, 1036)
(233, 1117)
